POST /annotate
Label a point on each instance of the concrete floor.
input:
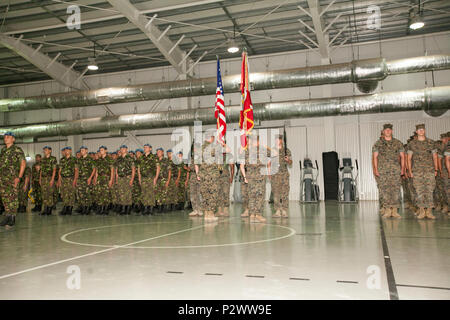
(323, 251)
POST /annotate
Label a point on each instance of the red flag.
(246, 123)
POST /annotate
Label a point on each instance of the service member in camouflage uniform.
(23, 190)
(67, 180)
(423, 167)
(165, 175)
(254, 172)
(447, 170)
(35, 174)
(12, 168)
(86, 172)
(172, 191)
(412, 190)
(387, 167)
(194, 183)
(148, 172)
(279, 178)
(47, 180)
(114, 189)
(182, 185)
(440, 199)
(137, 192)
(104, 177)
(125, 171)
(208, 173)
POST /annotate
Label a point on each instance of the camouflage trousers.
(114, 193)
(136, 192)
(412, 191)
(447, 189)
(162, 192)
(424, 183)
(9, 195)
(68, 192)
(148, 196)
(209, 189)
(440, 194)
(256, 189)
(48, 192)
(389, 183)
(380, 194)
(406, 192)
(124, 191)
(23, 195)
(103, 191)
(244, 195)
(37, 193)
(172, 193)
(84, 192)
(194, 193)
(182, 191)
(223, 198)
(279, 183)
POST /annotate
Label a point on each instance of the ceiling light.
(233, 48)
(92, 65)
(416, 23)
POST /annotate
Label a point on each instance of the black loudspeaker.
(330, 163)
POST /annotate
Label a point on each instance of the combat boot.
(226, 212)
(69, 211)
(245, 213)
(429, 215)
(79, 210)
(277, 214)
(63, 211)
(284, 213)
(387, 213)
(99, 210)
(200, 213)
(12, 221)
(382, 211)
(49, 212)
(128, 210)
(444, 209)
(193, 214)
(438, 207)
(6, 220)
(259, 218)
(35, 209)
(395, 214)
(421, 213)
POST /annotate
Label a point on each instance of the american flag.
(246, 115)
(219, 112)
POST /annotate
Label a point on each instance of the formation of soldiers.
(421, 167)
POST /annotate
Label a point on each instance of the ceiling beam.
(57, 71)
(321, 36)
(171, 52)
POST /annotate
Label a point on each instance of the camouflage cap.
(420, 126)
(387, 126)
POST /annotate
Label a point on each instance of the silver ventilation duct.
(365, 73)
(434, 101)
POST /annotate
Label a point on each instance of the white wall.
(353, 135)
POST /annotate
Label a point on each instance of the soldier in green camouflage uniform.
(47, 180)
(35, 174)
(194, 183)
(67, 180)
(423, 167)
(86, 172)
(172, 190)
(182, 185)
(137, 192)
(125, 171)
(148, 172)
(165, 175)
(23, 190)
(446, 170)
(114, 188)
(440, 199)
(279, 178)
(12, 169)
(104, 177)
(388, 169)
(254, 172)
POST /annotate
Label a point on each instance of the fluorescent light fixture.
(233, 48)
(92, 65)
(416, 23)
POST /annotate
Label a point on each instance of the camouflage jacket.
(35, 172)
(103, 166)
(68, 166)
(447, 150)
(165, 167)
(388, 153)
(47, 166)
(26, 173)
(422, 154)
(10, 160)
(147, 166)
(280, 162)
(124, 166)
(254, 166)
(85, 167)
